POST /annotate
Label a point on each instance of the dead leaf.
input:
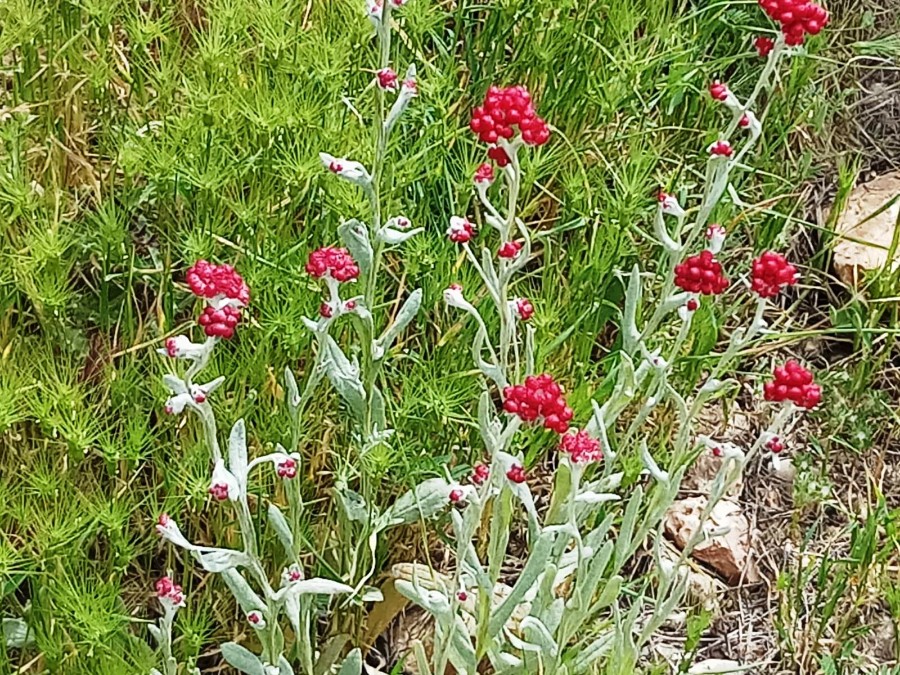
(728, 553)
(863, 238)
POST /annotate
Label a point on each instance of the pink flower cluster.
(798, 18)
(226, 293)
(539, 399)
(792, 382)
(581, 447)
(333, 262)
(169, 593)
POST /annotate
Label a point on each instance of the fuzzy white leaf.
(240, 589)
(242, 659)
(237, 451)
(422, 502)
(319, 586)
(221, 559)
(282, 530)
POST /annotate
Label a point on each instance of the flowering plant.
(566, 612)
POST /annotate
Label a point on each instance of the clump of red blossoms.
(798, 18)
(763, 45)
(456, 496)
(505, 109)
(524, 309)
(701, 273)
(219, 492)
(770, 273)
(220, 322)
(775, 445)
(168, 590)
(460, 230)
(333, 262)
(217, 281)
(484, 174)
(287, 468)
(721, 149)
(793, 382)
(581, 447)
(480, 473)
(539, 398)
(718, 90)
(387, 79)
(516, 474)
(509, 249)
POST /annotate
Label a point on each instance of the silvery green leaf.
(284, 667)
(609, 595)
(352, 665)
(630, 332)
(626, 531)
(311, 326)
(344, 376)
(536, 633)
(406, 314)
(237, 451)
(353, 503)
(379, 414)
(487, 421)
(221, 559)
(434, 602)
(593, 652)
(154, 671)
(553, 614)
(330, 653)
(155, 632)
(392, 236)
(587, 581)
(421, 503)
(16, 633)
(371, 594)
(282, 530)
(534, 567)
(240, 589)
(292, 391)
(593, 498)
(174, 384)
(461, 649)
(319, 586)
(402, 101)
(355, 236)
(651, 465)
(421, 658)
(242, 658)
(490, 273)
(292, 611)
(212, 385)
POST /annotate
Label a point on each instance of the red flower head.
(336, 263)
(287, 468)
(220, 322)
(744, 122)
(456, 496)
(721, 149)
(499, 155)
(509, 249)
(168, 592)
(460, 230)
(798, 18)
(793, 382)
(503, 110)
(484, 174)
(539, 398)
(718, 90)
(701, 273)
(763, 45)
(516, 474)
(775, 445)
(387, 79)
(217, 282)
(523, 308)
(480, 473)
(770, 273)
(581, 447)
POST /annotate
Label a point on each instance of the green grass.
(139, 136)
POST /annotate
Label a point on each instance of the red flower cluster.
(387, 79)
(505, 108)
(166, 589)
(210, 281)
(775, 445)
(524, 309)
(701, 274)
(581, 447)
(509, 249)
(718, 90)
(770, 273)
(721, 149)
(516, 474)
(484, 173)
(220, 322)
(336, 263)
(460, 230)
(219, 492)
(539, 398)
(480, 473)
(287, 468)
(793, 382)
(797, 18)
(763, 45)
